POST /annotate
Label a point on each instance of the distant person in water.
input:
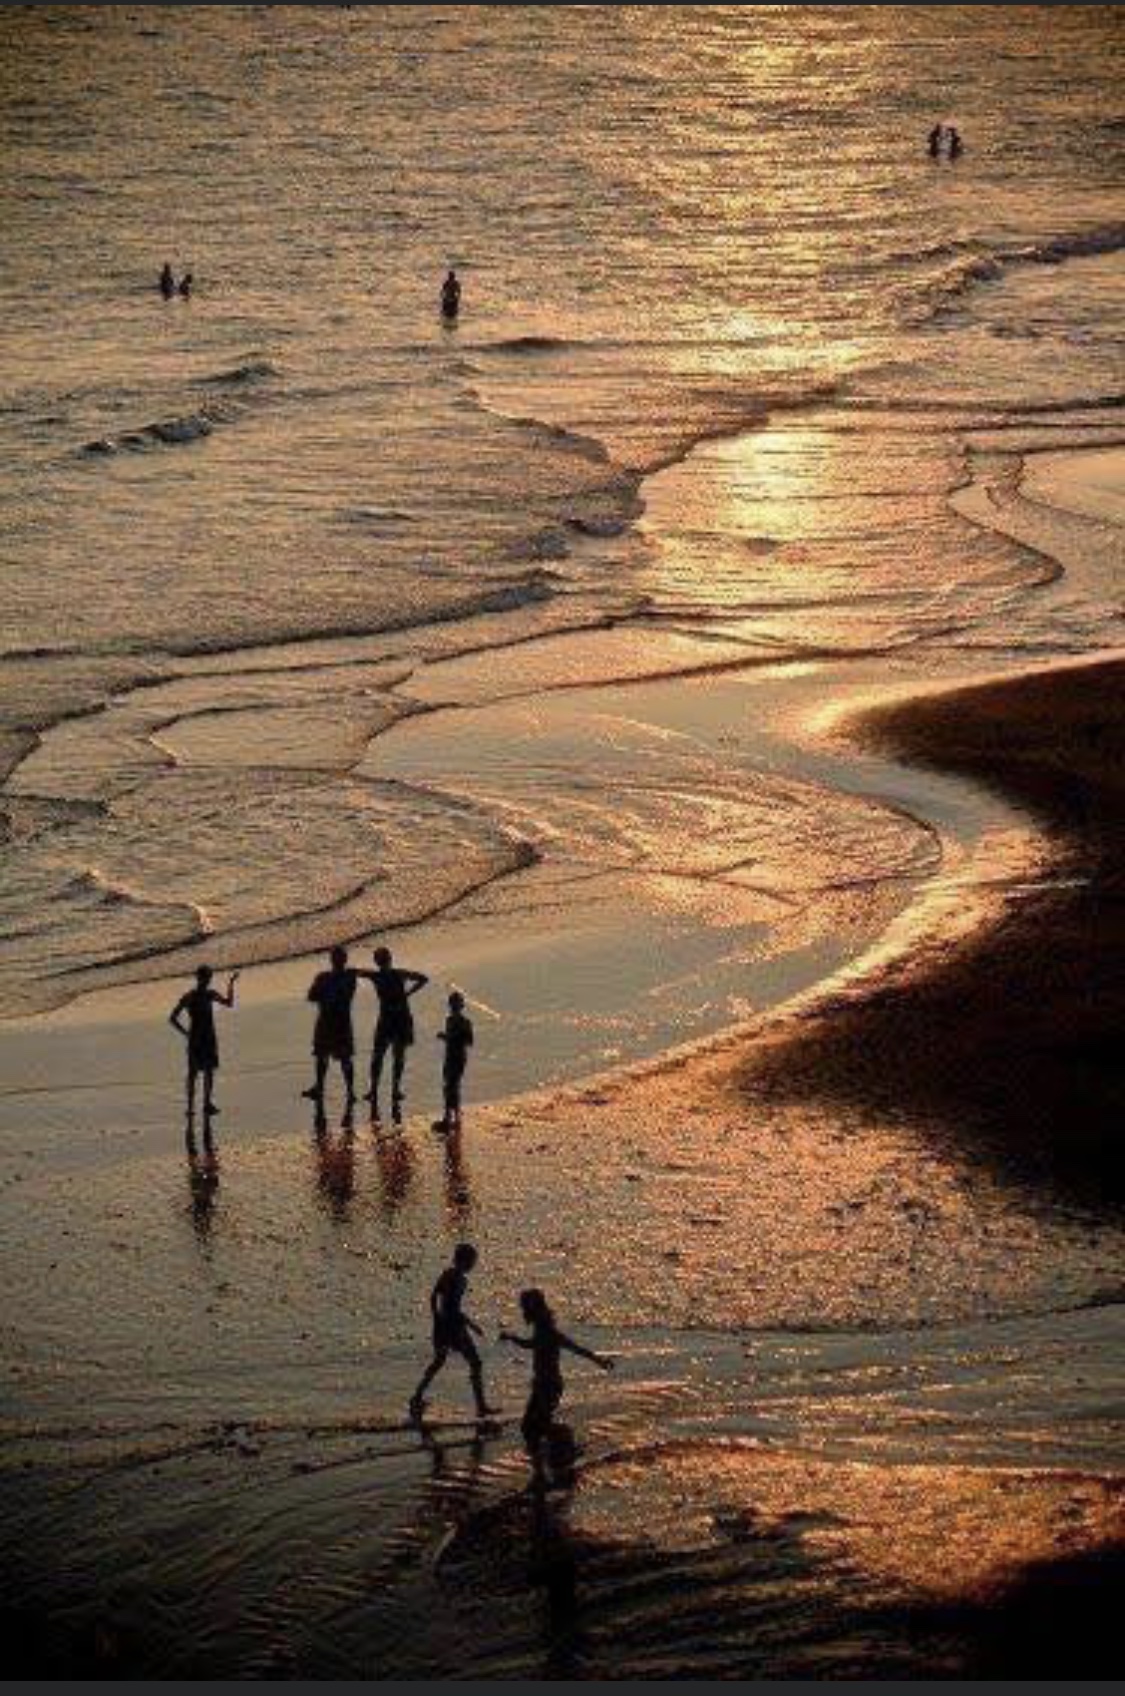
(332, 993)
(956, 145)
(167, 282)
(187, 283)
(458, 1039)
(450, 295)
(937, 135)
(546, 1344)
(198, 1007)
(453, 1331)
(394, 1028)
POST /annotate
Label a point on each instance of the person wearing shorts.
(453, 1331)
(332, 993)
(394, 1028)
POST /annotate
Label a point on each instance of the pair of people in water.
(333, 992)
(454, 1333)
(945, 138)
(169, 286)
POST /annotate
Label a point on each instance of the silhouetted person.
(394, 1028)
(452, 1331)
(934, 144)
(187, 282)
(332, 993)
(956, 145)
(546, 1344)
(167, 282)
(458, 1039)
(202, 1044)
(450, 296)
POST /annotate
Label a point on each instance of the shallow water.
(301, 452)
(322, 620)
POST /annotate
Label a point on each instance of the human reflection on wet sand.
(335, 1167)
(203, 1184)
(460, 1206)
(395, 1162)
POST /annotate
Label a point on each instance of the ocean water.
(739, 369)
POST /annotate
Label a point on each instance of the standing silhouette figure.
(332, 993)
(394, 1028)
(450, 296)
(458, 1039)
(198, 1007)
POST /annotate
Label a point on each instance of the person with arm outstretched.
(545, 1344)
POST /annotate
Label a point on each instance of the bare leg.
(397, 1069)
(191, 1077)
(476, 1378)
(427, 1378)
(317, 1091)
(209, 1107)
(349, 1080)
(378, 1055)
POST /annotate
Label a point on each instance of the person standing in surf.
(451, 296)
(453, 1331)
(394, 1028)
(198, 1006)
(332, 993)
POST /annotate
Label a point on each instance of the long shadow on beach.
(1010, 1040)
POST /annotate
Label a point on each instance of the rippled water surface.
(713, 226)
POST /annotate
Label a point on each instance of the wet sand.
(929, 1341)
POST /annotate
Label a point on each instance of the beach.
(705, 654)
(779, 1394)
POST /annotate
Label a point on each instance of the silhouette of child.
(452, 1330)
(202, 1043)
(546, 1344)
(458, 1039)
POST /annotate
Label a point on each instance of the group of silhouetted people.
(450, 290)
(945, 142)
(168, 285)
(332, 992)
(454, 1333)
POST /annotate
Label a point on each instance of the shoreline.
(1009, 1036)
(243, 1331)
